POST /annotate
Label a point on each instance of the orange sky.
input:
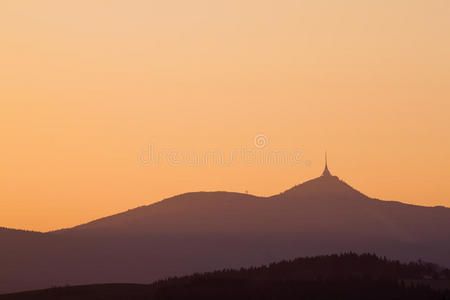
(86, 86)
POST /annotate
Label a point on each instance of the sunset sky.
(89, 88)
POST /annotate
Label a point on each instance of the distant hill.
(324, 203)
(205, 231)
(348, 276)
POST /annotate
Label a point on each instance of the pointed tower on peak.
(326, 172)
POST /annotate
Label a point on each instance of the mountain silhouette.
(346, 276)
(205, 231)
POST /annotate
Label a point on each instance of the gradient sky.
(86, 86)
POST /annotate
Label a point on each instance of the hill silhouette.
(326, 203)
(347, 276)
(205, 231)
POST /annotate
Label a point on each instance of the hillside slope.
(347, 276)
(204, 231)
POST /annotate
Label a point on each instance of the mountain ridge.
(347, 275)
(204, 231)
(296, 191)
(280, 196)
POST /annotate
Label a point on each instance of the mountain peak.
(323, 188)
(326, 187)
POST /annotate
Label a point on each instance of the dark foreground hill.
(348, 276)
(206, 231)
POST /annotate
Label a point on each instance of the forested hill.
(346, 276)
(207, 231)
